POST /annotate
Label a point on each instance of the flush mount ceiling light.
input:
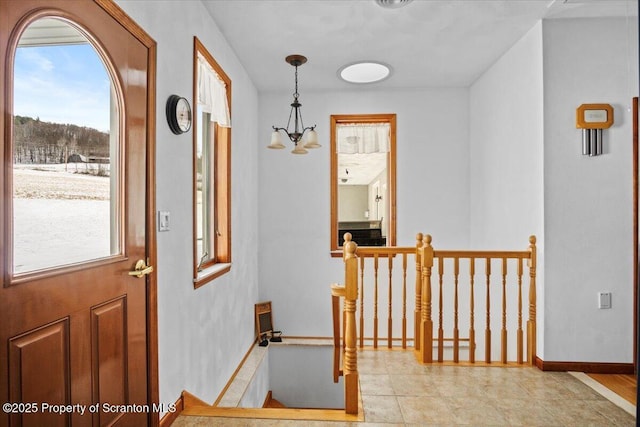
(299, 130)
(365, 72)
(393, 4)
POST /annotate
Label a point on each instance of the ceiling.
(360, 169)
(428, 43)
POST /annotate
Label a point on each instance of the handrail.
(384, 251)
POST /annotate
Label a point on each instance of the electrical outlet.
(604, 300)
(163, 220)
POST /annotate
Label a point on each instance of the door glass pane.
(65, 151)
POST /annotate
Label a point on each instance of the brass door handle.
(142, 269)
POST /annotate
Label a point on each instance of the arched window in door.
(67, 170)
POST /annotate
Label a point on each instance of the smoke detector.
(393, 4)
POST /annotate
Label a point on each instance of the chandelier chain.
(296, 94)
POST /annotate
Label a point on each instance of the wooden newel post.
(417, 312)
(531, 323)
(426, 325)
(350, 366)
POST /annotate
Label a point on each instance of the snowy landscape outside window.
(67, 173)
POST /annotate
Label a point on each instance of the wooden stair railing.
(397, 279)
(428, 255)
(346, 347)
(465, 283)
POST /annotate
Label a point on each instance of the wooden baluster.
(362, 302)
(456, 332)
(440, 309)
(337, 292)
(404, 301)
(375, 301)
(487, 331)
(390, 316)
(344, 327)
(417, 311)
(426, 325)
(531, 323)
(472, 332)
(350, 366)
(503, 353)
(347, 238)
(519, 333)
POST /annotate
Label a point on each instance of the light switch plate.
(604, 300)
(163, 220)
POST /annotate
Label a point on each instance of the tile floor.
(396, 391)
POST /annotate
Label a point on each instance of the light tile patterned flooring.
(396, 391)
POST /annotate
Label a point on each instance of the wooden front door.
(74, 327)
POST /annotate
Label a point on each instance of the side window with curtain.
(211, 168)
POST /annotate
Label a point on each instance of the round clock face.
(178, 114)
(183, 115)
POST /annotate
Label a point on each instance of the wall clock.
(178, 114)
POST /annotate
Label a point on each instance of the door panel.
(109, 355)
(77, 334)
(29, 371)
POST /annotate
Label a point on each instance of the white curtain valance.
(212, 94)
(363, 138)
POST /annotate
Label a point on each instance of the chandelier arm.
(299, 113)
(275, 128)
(289, 121)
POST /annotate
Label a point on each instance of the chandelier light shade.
(298, 132)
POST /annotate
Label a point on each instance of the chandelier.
(298, 126)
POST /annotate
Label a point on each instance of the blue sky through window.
(62, 84)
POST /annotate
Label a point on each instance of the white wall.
(506, 155)
(528, 176)
(204, 333)
(295, 267)
(353, 201)
(505, 144)
(588, 201)
(311, 367)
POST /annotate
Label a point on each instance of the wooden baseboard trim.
(586, 367)
(190, 400)
(276, 413)
(170, 417)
